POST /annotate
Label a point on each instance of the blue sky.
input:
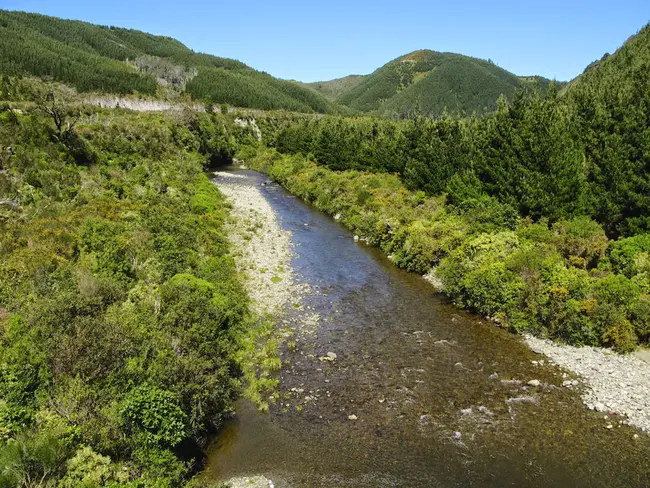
(313, 41)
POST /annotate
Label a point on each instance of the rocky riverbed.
(614, 383)
(263, 250)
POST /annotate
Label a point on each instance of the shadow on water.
(420, 393)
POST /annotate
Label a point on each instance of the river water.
(438, 397)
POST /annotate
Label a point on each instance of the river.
(420, 394)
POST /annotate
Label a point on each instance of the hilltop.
(429, 82)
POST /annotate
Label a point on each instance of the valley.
(433, 274)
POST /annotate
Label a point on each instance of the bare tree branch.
(64, 119)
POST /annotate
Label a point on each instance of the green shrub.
(631, 255)
(87, 469)
(491, 289)
(583, 238)
(155, 413)
(206, 199)
(33, 455)
(640, 317)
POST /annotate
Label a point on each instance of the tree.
(56, 109)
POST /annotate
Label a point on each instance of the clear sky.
(319, 40)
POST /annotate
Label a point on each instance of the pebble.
(612, 382)
(267, 247)
(250, 482)
(534, 383)
(329, 357)
(352, 417)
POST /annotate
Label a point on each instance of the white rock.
(534, 383)
(608, 379)
(329, 357)
(352, 417)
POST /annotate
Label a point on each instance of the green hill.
(110, 59)
(428, 82)
(540, 83)
(335, 88)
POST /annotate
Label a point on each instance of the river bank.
(415, 392)
(262, 250)
(615, 383)
(612, 383)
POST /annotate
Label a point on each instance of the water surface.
(440, 396)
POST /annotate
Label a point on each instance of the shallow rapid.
(413, 392)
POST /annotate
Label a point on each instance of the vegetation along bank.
(124, 324)
(126, 328)
(535, 216)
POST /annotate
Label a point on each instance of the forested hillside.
(333, 89)
(611, 101)
(428, 83)
(110, 59)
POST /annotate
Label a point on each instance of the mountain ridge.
(122, 61)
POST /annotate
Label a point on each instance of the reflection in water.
(420, 394)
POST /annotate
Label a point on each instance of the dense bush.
(121, 312)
